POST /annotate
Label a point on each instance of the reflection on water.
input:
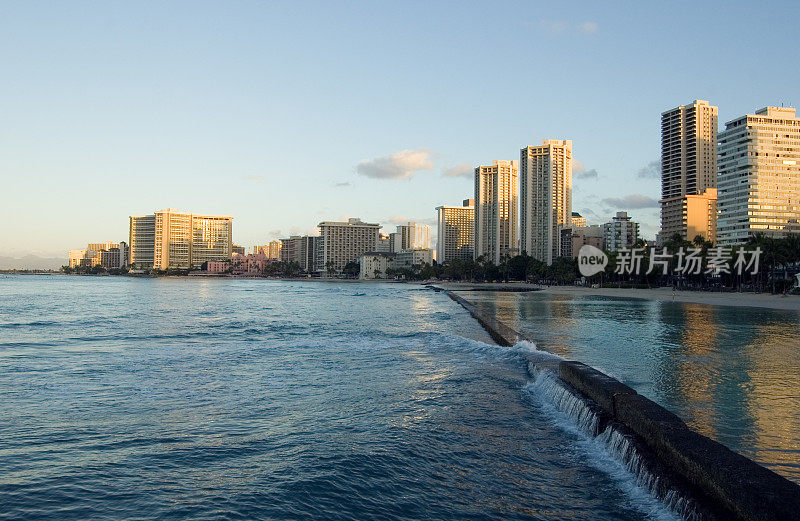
(732, 373)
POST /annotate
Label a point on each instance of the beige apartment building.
(343, 242)
(456, 231)
(759, 176)
(107, 254)
(411, 236)
(300, 250)
(575, 237)
(271, 250)
(496, 200)
(545, 197)
(179, 240)
(700, 214)
(688, 161)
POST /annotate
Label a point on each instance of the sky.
(285, 114)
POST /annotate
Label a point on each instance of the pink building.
(217, 266)
(252, 264)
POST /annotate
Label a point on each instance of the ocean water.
(733, 373)
(182, 398)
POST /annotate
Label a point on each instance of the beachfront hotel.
(300, 250)
(456, 231)
(496, 200)
(545, 197)
(759, 176)
(688, 163)
(343, 242)
(411, 236)
(172, 239)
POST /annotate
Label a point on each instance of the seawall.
(736, 486)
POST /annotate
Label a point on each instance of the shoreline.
(752, 300)
(733, 299)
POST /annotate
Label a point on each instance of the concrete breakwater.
(733, 487)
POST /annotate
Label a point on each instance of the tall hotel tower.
(173, 239)
(545, 197)
(343, 242)
(456, 236)
(688, 164)
(496, 210)
(759, 176)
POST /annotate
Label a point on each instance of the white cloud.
(255, 178)
(400, 165)
(631, 201)
(402, 219)
(651, 171)
(588, 27)
(579, 171)
(459, 170)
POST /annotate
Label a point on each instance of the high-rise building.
(688, 161)
(545, 197)
(142, 239)
(300, 250)
(456, 232)
(411, 236)
(759, 176)
(271, 250)
(621, 232)
(578, 221)
(179, 240)
(496, 210)
(343, 242)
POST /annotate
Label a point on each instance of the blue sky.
(286, 114)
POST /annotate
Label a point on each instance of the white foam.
(610, 451)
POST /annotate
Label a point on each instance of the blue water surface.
(196, 398)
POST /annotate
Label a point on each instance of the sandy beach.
(758, 300)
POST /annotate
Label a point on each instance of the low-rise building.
(218, 266)
(375, 265)
(109, 255)
(252, 264)
(406, 259)
(384, 243)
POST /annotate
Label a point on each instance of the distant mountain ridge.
(31, 262)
